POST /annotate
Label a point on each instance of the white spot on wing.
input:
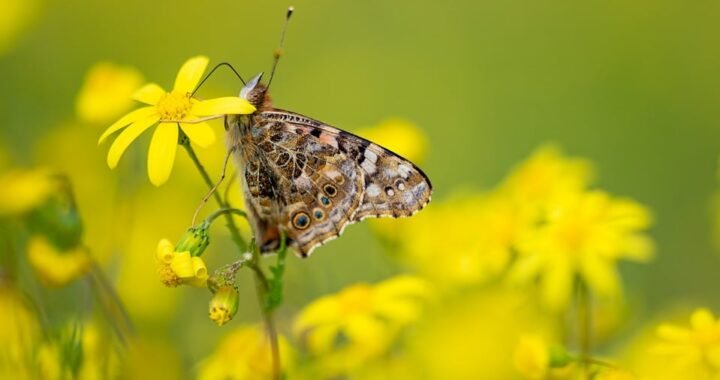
(373, 190)
(404, 170)
(371, 156)
(368, 166)
(390, 173)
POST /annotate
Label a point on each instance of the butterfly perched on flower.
(309, 179)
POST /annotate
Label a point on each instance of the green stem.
(222, 211)
(584, 325)
(234, 231)
(262, 288)
(261, 283)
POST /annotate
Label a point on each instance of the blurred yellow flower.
(177, 268)
(615, 374)
(50, 362)
(100, 357)
(15, 15)
(695, 349)
(474, 334)
(400, 136)
(177, 108)
(484, 229)
(532, 357)
(55, 266)
(545, 176)
(367, 317)
(245, 354)
(20, 333)
(23, 190)
(584, 235)
(106, 92)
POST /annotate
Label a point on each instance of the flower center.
(173, 106)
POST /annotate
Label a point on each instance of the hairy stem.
(261, 282)
(262, 288)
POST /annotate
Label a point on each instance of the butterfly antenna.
(278, 52)
(219, 65)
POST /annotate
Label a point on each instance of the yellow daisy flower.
(368, 317)
(173, 110)
(245, 354)
(584, 235)
(55, 266)
(691, 349)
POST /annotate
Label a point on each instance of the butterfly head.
(256, 93)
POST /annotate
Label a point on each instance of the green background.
(632, 86)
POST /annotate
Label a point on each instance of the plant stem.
(584, 325)
(261, 281)
(234, 232)
(222, 211)
(262, 287)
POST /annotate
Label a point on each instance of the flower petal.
(126, 138)
(162, 153)
(190, 74)
(150, 93)
(133, 116)
(199, 133)
(702, 319)
(556, 285)
(221, 106)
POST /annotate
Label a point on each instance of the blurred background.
(631, 87)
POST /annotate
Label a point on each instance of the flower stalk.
(262, 285)
(584, 326)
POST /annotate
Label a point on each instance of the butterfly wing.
(312, 180)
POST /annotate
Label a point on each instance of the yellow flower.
(15, 17)
(224, 305)
(585, 235)
(177, 268)
(545, 176)
(615, 374)
(474, 334)
(367, 317)
(23, 190)
(692, 349)
(399, 135)
(54, 266)
(245, 354)
(107, 92)
(20, 333)
(532, 357)
(177, 108)
(484, 229)
(535, 359)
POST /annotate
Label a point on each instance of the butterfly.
(310, 180)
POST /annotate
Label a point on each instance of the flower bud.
(195, 240)
(224, 305)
